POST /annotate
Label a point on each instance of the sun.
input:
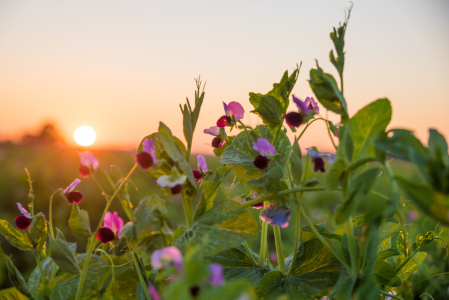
(85, 136)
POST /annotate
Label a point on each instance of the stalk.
(247, 132)
(92, 240)
(263, 244)
(187, 210)
(350, 230)
(278, 133)
(141, 279)
(40, 266)
(250, 255)
(279, 252)
(30, 193)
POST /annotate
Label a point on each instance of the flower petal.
(87, 159)
(202, 165)
(118, 224)
(149, 148)
(23, 211)
(264, 147)
(214, 130)
(236, 110)
(22, 222)
(311, 104)
(166, 257)
(153, 293)
(105, 235)
(108, 221)
(169, 181)
(301, 105)
(275, 215)
(216, 274)
(72, 186)
(226, 109)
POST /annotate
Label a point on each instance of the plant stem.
(224, 191)
(278, 133)
(390, 295)
(352, 246)
(250, 255)
(40, 267)
(187, 210)
(379, 195)
(359, 163)
(92, 240)
(279, 251)
(101, 188)
(329, 132)
(446, 273)
(30, 193)
(247, 132)
(263, 244)
(50, 215)
(308, 124)
(282, 193)
(142, 280)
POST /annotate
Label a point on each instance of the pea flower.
(174, 181)
(112, 228)
(89, 163)
(23, 222)
(392, 293)
(275, 215)
(413, 215)
(167, 257)
(306, 110)
(73, 196)
(217, 142)
(216, 276)
(265, 149)
(153, 293)
(233, 113)
(202, 168)
(147, 157)
(317, 157)
(256, 206)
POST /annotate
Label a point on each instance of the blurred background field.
(52, 167)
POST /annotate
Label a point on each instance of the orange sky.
(121, 67)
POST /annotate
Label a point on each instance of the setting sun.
(85, 136)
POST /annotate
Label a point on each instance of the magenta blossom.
(147, 157)
(89, 163)
(233, 113)
(23, 222)
(216, 274)
(112, 228)
(202, 168)
(275, 215)
(317, 157)
(167, 257)
(73, 196)
(265, 149)
(153, 293)
(306, 110)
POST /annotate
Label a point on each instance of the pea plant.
(209, 257)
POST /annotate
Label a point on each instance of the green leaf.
(384, 254)
(237, 289)
(178, 290)
(411, 266)
(38, 233)
(357, 192)
(178, 232)
(307, 234)
(14, 275)
(432, 202)
(168, 141)
(326, 90)
(269, 110)
(237, 264)
(17, 238)
(269, 183)
(312, 182)
(226, 225)
(196, 271)
(126, 285)
(336, 170)
(402, 247)
(438, 147)
(79, 221)
(12, 294)
(315, 270)
(240, 155)
(366, 125)
(338, 37)
(125, 199)
(402, 144)
(149, 216)
(296, 162)
(386, 274)
(187, 125)
(198, 103)
(60, 252)
(207, 198)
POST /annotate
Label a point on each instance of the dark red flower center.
(195, 290)
(294, 119)
(318, 164)
(261, 162)
(22, 222)
(217, 142)
(224, 121)
(197, 174)
(257, 206)
(74, 196)
(310, 106)
(176, 189)
(84, 171)
(144, 159)
(105, 235)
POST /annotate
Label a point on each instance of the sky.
(120, 67)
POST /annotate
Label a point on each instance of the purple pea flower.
(217, 142)
(233, 113)
(112, 228)
(23, 222)
(202, 168)
(312, 105)
(167, 257)
(305, 110)
(147, 157)
(317, 157)
(153, 293)
(216, 277)
(392, 293)
(265, 149)
(88, 162)
(73, 196)
(275, 215)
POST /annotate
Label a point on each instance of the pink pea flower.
(413, 215)
(265, 149)
(216, 274)
(317, 157)
(233, 113)
(23, 222)
(167, 257)
(112, 228)
(147, 157)
(273, 257)
(153, 293)
(73, 196)
(305, 110)
(89, 163)
(202, 168)
(275, 215)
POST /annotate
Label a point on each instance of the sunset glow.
(85, 136)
